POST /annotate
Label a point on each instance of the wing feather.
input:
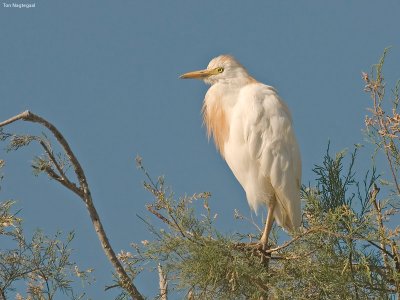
(273, 147)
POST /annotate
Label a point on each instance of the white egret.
(252, 129)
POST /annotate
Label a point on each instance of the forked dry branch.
(55, 171)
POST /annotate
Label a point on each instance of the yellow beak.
(199, 74)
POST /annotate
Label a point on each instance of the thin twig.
(381, 231)
(150, 208)
(358, 237)
(174, 224)
(268, 252)
(397, 265)
(293, 257)
(291, 241)
(109, 287)
(383, 128)
(50, 154)
(61, 176)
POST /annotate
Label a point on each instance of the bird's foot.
(257, 249)
(263, 243)
(262, 248)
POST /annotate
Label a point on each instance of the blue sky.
(106, 74)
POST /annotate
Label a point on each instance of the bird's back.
(263, 153)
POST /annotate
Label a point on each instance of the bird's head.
(223, 68)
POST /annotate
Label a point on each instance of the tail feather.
(287, 212)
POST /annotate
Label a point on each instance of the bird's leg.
(268, 223)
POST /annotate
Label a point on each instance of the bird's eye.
(220, 70)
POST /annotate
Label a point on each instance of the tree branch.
(379, 220)
(2, 295)
(84, 194)
(50, 154)
(69, 185)
(61, 177)
(163, 283)
(174, 224)
(290, 241)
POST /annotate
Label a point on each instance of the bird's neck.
(217, 107)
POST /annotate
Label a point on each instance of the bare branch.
(69, 185)
(50, 154)
(84, 194)
(290, 241)
(13, 119)
(151, 209)
(163, 283)
(111, 287)
(379, 219)
(61, 176)
(187, 234)
(2, 295)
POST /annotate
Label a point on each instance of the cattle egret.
(252, 129)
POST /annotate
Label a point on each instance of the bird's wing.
(272, 144)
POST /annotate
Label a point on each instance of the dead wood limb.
(163, 283)
(82, 191)
(2, 295)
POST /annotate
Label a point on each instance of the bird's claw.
(259, 246)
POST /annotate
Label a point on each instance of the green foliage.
(16, 141)
(48, 162)
(333, 185)
(337, 255)
(383, 122)
(42, 263)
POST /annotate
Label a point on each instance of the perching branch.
(286, 244)
(82, 191)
